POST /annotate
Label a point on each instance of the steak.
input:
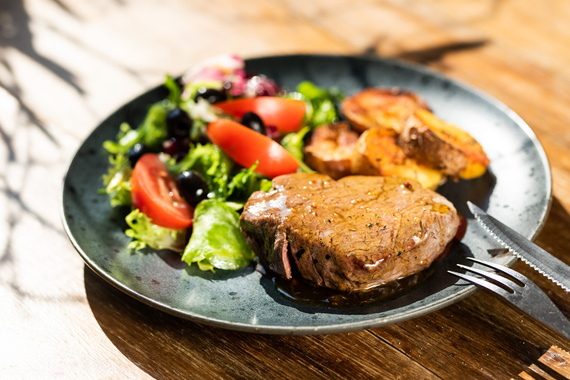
(352, 234)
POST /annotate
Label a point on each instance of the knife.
(546, 264)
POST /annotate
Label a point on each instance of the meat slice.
(381, 108)
(330, 148)
(352, 234)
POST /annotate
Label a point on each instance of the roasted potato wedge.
(330, 148)
(442, 146)
(377, 153)
(381, 108)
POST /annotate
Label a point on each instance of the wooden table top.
(65, 65)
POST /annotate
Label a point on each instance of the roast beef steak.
(352, 234)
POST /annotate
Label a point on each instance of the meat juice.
(301, 292)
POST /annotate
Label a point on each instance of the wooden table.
(65, 65)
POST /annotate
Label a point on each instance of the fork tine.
(529, 298)
(505, 281)
(501, 268)
(481, 282)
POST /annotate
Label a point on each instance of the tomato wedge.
(245, 146)
(285, 114)
(155, 194)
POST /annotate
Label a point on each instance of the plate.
(516, 190)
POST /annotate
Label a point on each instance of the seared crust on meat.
(381, 108)
(377, 153)
(442, 146)
(330, 148)
(352, 234)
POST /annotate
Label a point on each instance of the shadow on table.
(156, 342)
(165, 346)
(16, 33)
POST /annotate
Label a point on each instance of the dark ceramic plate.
(517, 190)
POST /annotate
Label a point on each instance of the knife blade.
(546, 264)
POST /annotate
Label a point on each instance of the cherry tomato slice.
(155, 194)
(245, 146)
(285, 114)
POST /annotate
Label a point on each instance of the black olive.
(137, 152)
(176, 147)
(178, 123)
(211, 95)
(192, 187)
(253, 121)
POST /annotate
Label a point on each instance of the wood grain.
(188, 348)
(65, 65)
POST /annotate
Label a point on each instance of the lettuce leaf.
(191, 88)
(217, 169)
(152, 132)
(144, 233)
(216, 240)
(117, 181)
(212, 163)
(174, 91)
(245, 183)
(322, 103)
(294, 143)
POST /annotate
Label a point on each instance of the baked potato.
(381, 108)
(330, 148)
(400, 137)
(442, 146)
(378, 153)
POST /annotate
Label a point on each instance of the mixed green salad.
(187, 170)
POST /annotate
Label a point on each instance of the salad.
(187, 170)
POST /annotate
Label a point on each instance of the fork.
(523, 293)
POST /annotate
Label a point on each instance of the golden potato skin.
(400, 136)
(377, 153)
(442, 146)
(381, 108)
(330, 148)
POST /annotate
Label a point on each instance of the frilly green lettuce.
(117, 181)
(211, 163)
(144, 233)
(216, 240)
(294, 143)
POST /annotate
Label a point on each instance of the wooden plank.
(482, 335)
(540, 372)
(558, 360)
(164, 345)
(385, 28)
